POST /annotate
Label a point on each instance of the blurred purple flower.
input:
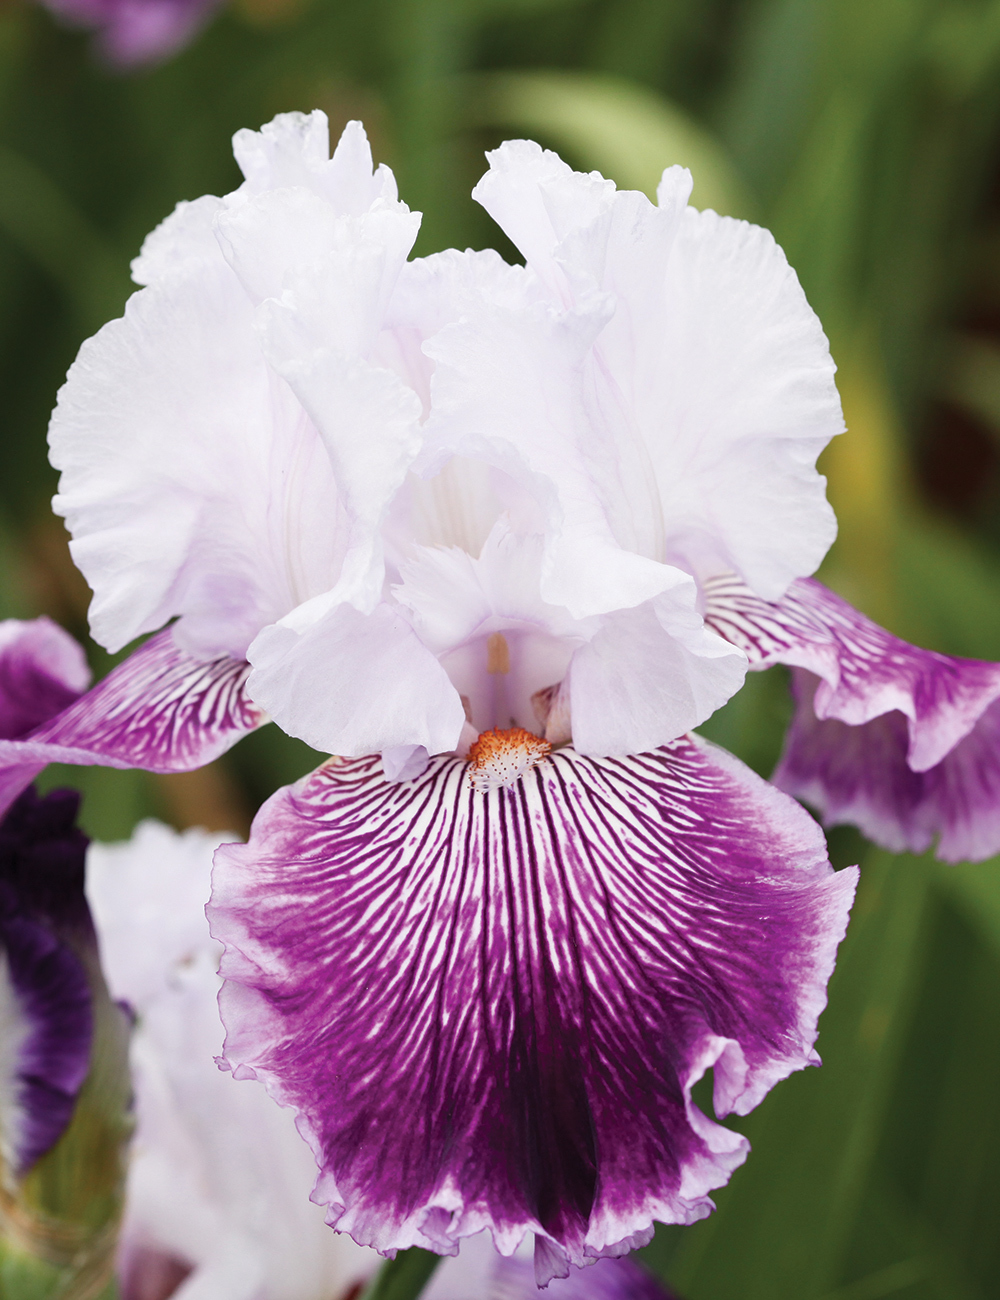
(46, 1019)
(131, 33)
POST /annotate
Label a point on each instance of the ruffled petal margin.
(901, 742)
(163, 709)
(489, 1009)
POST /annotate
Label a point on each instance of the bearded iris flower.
(497, 537)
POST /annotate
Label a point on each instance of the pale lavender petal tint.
(607, 1279)
(46, 1001)
(901, 742)
(163, 709)
(534, 978)
(135, 32)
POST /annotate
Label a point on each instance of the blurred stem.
(430, 39)
(404, 1277)
(38, 217)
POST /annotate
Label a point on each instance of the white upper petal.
(700, 403)
(353, 684)
(192, 481)
(650, 675)
(229, 449)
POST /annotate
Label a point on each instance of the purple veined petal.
(535, 977)
(162, 709)
(902, 742)
(46, 1016)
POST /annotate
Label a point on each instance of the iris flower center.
(501, 757)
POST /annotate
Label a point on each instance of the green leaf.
(627, 131)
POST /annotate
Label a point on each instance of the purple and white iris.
(498, 537)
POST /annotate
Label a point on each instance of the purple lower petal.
(44, 991)
(489, 1009)
(859, 776)
(42, 671)
(162, 709)
(902, 742)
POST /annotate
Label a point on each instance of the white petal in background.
(219, 1181)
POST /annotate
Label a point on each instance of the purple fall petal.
(534, 978)
(901, 742)
(163, 709)
(45, 1000)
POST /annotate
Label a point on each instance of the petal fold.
(535, 977)
(902, 742)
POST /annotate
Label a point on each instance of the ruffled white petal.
(355, 684)
(708, 386)
(650, 672)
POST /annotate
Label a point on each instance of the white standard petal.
(650, 675)
(734, 393)
(355, 684)
(707, 393)
(509, 390)
(294, 150)
(190, 476)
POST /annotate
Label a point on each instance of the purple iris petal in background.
(133, 32)
(42, 671)
(901, 742)
(163, 709)
(607, 1279)
(46, 1019)
(535, 977)
(479, 1273)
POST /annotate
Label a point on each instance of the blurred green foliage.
(866, 134)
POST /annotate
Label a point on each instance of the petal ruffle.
(162, 709)
(901, 742)
(698, 403)
(535, 977)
